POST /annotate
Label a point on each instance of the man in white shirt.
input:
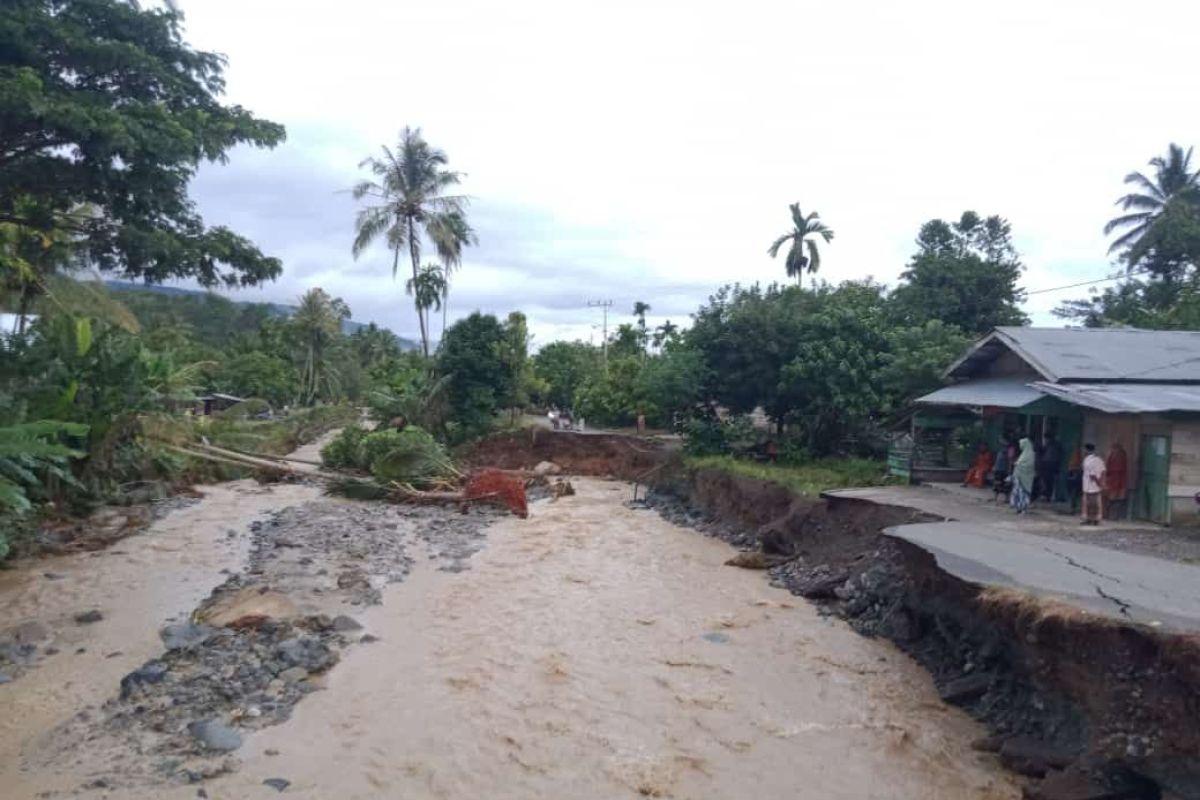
(1093, 486)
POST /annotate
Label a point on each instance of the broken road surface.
(1124, 586)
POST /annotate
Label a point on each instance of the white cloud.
(649, 150)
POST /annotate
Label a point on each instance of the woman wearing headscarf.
(1024, 472)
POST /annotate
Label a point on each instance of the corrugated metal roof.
(1126, 398)
(1091, 354)
(1108, 354)
(1001, 392)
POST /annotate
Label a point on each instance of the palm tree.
(458, 233)
(664, 332)
(317, 324)
(1174, 180)
(427, 288)
(410, 205)
(802, 228)
(640, 310)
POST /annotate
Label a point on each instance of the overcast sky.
(648, 150)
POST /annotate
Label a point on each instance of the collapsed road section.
(1083, 662)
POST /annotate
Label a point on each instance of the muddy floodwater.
(591, 651)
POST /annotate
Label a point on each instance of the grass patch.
(808, 479)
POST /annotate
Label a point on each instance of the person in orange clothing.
(977, 474)
(1116, 470)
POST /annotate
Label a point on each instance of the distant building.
(1106, 386)
(216, 401)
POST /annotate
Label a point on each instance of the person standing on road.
(1024, 472)
(1051, 464)
(1093, 486)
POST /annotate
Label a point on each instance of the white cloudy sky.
(648, 150)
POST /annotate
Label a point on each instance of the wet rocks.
(343, 623)
(967, 688)
(278, 784)
(149, 673)
(215, 735)
(186, 634)
(545, 468)
(307, 652)
(293, 674)
(89, 617)
(5, 678)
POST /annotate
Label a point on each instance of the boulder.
(967, 688)
(184, 634)
(312, 654)
(150, 672)
(547, 468)
(345, 623)
(88, 617)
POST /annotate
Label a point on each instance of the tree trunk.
(414, 250)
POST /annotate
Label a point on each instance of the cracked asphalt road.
(1124, 586)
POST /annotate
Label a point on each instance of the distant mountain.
(278, 309)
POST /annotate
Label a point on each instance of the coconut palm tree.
(1174, 181)
(427, 288)
(408, 205)
(802, 229)
(458, 234)
(317, 323)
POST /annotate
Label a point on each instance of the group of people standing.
(1024, 471)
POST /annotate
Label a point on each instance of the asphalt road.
(1123, 586)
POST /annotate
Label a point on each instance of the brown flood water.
(571, 661)
(138, 584)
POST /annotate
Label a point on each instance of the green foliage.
(964, 274)
(712, 436)
(407, 204)
(563, 367)
(804, 255)
(805, 479)
(479, 381)
(345, 451)
(317, 327)
(257, 375)
(105, 107)
(410, 456)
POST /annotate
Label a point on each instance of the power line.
(1088, 283)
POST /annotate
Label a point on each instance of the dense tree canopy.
(105, 115)
(965, 274)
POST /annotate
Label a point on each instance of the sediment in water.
(1086, 707)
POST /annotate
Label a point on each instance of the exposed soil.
(1084, 707)
(600, 454)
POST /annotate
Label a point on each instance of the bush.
(710, 436)
(407, 456)
(345, 451)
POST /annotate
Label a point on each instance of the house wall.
(1009, 365)
(1185, 472)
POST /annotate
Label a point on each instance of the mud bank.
(1084, 707)
(599, 454)
(249, 652)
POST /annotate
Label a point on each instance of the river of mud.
(591, 651)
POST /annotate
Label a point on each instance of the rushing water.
(592, 651)
(138, 584)
(596, 651)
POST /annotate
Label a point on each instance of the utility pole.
(604, 305)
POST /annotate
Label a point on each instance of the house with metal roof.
(1107, 386)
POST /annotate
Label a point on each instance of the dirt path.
(595, 651)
